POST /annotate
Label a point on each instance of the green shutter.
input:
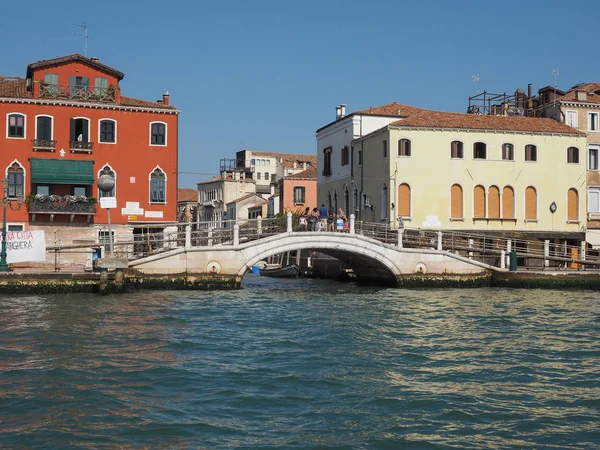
(60, 171)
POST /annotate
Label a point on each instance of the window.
(404, 200)
(15, 227)
(80, 130)
(573, 205)
(594, 200)
(456, 201)
(572, 119)
(360, 157)
(508, 203)
(530, 153)
(347, 200)
(479, 202)
(573, 155)
(258, 175)
(530, 203)
(107, 130)
(404, 147)
(494, 202)
(51, 82)
(79, 191)
(266, 176)
(355, 199)
(479, 150)
(157, 186)
(100, 86)
(42, 189)
(384, 202)
(593, 159)
(508, 152)
(158, 133)
(43, 128)
(78, 84)
(345, 156)
(15, 126)
(327, 161)
(592, 121)
(299, 193)
(456, 150)
(385, 149)
(104, 236)
(16, 180)
(107, 170)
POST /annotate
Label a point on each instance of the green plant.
(92, 200)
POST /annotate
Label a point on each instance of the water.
(302, 364)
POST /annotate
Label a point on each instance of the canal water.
(302, 364)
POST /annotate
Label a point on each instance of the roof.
(228, 177)
(74, 58)
(287, 160)
(14, 87)
(187, 195)
(308, 174)
(261, 201)
(390, 110)
(130, 101)
(592, 90)
(438, 119)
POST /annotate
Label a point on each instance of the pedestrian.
(323, 217)
(314, 218)
(341, 216)
(331, 219)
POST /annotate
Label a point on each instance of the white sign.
(132, 209)
(25, 246)
(432, 221)
(108, 202)
(154, 214)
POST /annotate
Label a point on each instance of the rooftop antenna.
(555, 75)
(476, 80)
(85, 36)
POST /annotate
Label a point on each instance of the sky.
(265, 75)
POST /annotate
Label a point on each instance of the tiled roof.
(187, 195)
(130, 101)
(308, 174)
(228, 177)
(592, 90)
(260, 200)
(13, 87)
(75, 57)
(391, 109)
(438, 119)
(288, 159)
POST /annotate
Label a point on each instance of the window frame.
(327, 162)
(404, 148)
(14, 186)
(591, 121)
(164, 178)
(596, 150)
(107, 119)
(89, 128)
(531, 150)
(596, 190)
(302, 197)
(385, 148)
(51, 126)
(569, 112)
(345, 155)
(157, 122)
(459, 150)
(572, 153)
(511, 151)
(16, 113)
(578, 212)
(476, 150)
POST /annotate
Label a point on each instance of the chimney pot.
(93, 58)
(581, 95)
(342, 110)
(338, 112)
(166, 98)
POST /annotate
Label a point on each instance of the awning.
(61, 171)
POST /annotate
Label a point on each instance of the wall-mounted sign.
(154, 214)
(25, 246)
(108, 202)
(133, 209)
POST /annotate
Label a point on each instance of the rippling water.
(302, 364)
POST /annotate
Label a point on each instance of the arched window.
(573, 205)
(158, 181)
(530, 153)
(16, 180)
(329, 203)
(494, 202)
(158, 133)
(508, 203)
(404, 200)
(326, 163)
(107, 131)
(43, 128)
(530, 203)
(479, 201)
(15, 125)
(573, 155)
(335, 202)
(355, 199)
(456, 202)
(404, 147)
(479, 150)
(107, 170)
(384, 202)
(385, 149)
(508, 152)
(346, 201)
(456, 150)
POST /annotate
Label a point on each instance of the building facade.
(299, 191)
(65, 124)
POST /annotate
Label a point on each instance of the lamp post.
(7, 201)
(106, 183)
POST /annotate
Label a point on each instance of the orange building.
(65, 124)
(298, 191)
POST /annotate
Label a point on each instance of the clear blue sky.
(267, 74)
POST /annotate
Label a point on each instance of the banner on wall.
(24, 246)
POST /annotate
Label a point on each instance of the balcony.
(43, 145)
(81, 146)
(78, 93)
(55, 204)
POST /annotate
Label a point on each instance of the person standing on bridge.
(323, 217)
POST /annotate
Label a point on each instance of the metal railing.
(44, 144)
(56, 204)
(78, 93)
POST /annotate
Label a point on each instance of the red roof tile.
(438, 119)
(308, 174)
(13, 87)
(130, 101)
(592, 90)
(71, 58)
(391, 109)
(187, 195)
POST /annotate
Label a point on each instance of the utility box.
(513, 261)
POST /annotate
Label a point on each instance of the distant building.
(66, 123)
(250, 206)
(299, 191)
(187, 204)
(214, 195)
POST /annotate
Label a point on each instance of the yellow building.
(509, 176)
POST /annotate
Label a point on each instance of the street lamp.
(106, 183)
(7, 201)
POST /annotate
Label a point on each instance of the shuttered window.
(456, 202)
(158, 133)
(157, 186)
(43, 128)
(404, 200)
(530, 203)
(479, 201)
(573, 205)
(508, 203)
(494, 202)
(107, 131)
(456, 149)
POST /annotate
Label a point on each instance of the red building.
(64, 125)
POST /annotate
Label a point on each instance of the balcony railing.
(78, 93)
(81, 146)
(47, 145)
(55, 204)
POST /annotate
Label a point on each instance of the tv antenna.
(476, 80)
(85, 36)
(555, 74)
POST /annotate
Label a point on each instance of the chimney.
(581, 95)
(166, 98)
(93, 58)
(338, 112)
(529, 90)
(304, 166)
(294, 164)
(272, 189)
(342, 110)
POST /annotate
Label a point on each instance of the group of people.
(323, 219)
